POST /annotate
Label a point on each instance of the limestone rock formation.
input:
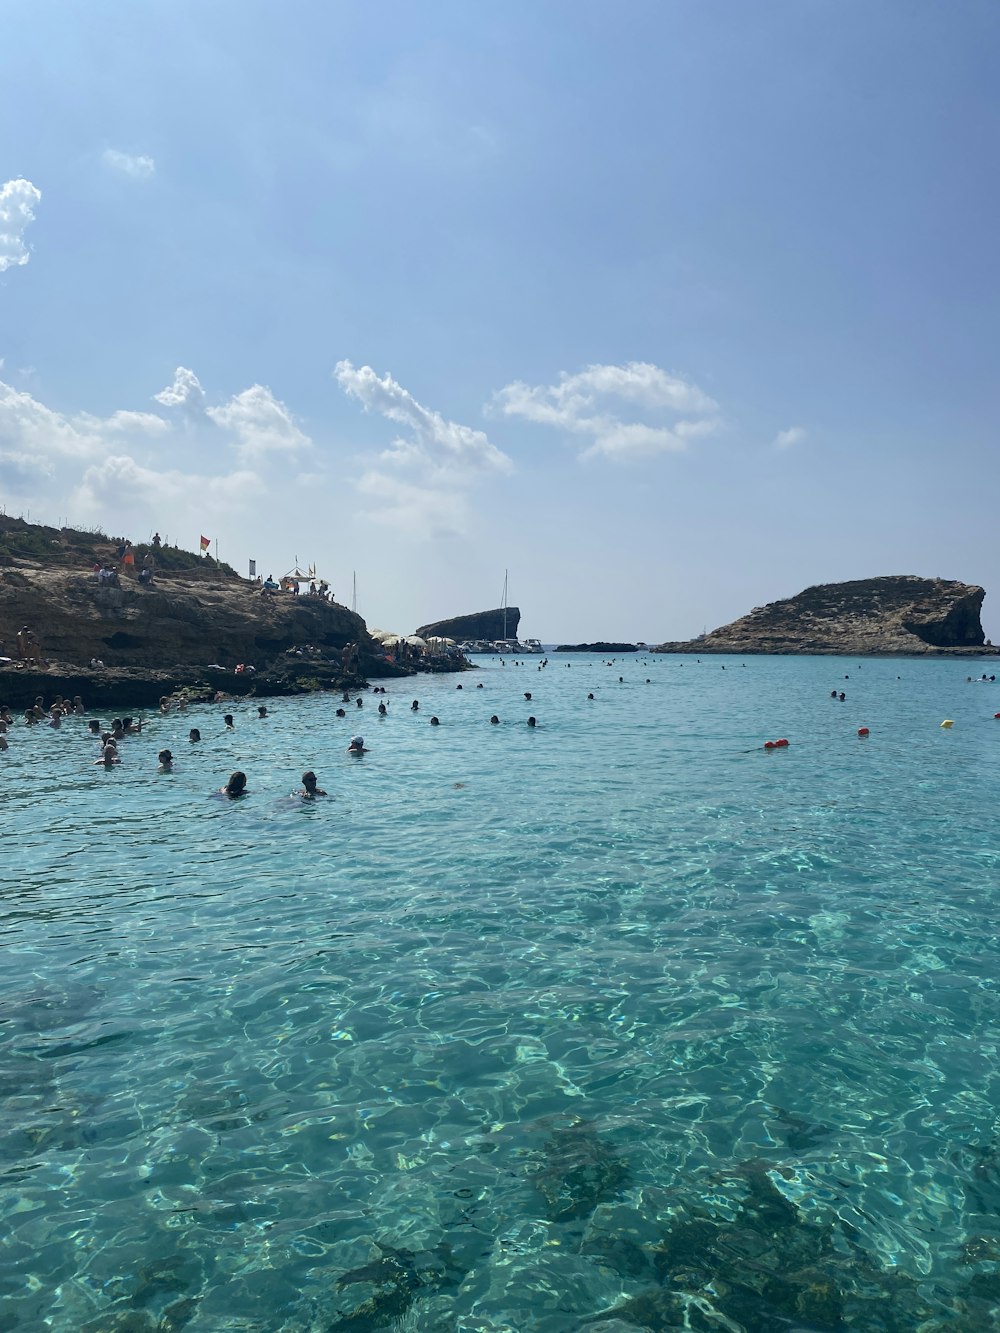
(899, 614)
(194, 613)
(478, 625)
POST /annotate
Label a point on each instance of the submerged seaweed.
(579, 1170)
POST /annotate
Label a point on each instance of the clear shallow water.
(621, 1019)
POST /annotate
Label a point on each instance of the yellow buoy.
(947, 722)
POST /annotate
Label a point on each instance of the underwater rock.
(579, 1171)
(394, 1277)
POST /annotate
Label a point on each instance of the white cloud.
(439, 459)
(260, 422)
(185, 392)
(118, 483)
(436, 442)
(787, 439)
(98, 467)
(421, 511)
(28, 426)
(576, 404)
(17, 209)
(135, 165)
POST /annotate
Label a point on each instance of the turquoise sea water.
(618, 1023)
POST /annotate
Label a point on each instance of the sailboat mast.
(505, 604)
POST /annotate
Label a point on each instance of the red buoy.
(769, 745)
(996, 714)
(782, 743)
(862, 731)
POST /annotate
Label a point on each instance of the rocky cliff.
(193, 613)
(479, 625)
(895, 615)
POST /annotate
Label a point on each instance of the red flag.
(206, 542)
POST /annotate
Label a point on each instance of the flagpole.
(216, 550)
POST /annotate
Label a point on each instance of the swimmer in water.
(341, 713)
(590, 696)
(382, 710)
(531, 722)
(527, 694)
(166, 762)
(109, 756)
(236, 786)
(479, 686)
(494, 721)
(310, 790)
(361, 702)
(228, 719)
(415, 705)
(357, 745)
(194, 734)
(435, 722)
(261, 711)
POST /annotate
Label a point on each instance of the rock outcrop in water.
(895, 615)
(478, 625)
(194, 613)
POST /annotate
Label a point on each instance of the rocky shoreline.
(139, 687)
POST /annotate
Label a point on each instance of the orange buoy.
(862, 731)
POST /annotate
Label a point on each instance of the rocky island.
(479, 625)
(187, 624)
(896, 615)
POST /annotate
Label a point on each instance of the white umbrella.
(416, 641)
(384, 635)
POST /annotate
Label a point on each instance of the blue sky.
(670, 309)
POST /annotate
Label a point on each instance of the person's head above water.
(261, 711)
(494, 720)
(357, 745)
(165, 758)
(194, 734)
(310, 786)
(236, 786)
(228, 719)
(435, 722)
(415, 705)
(341, 712)
(531, 722)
